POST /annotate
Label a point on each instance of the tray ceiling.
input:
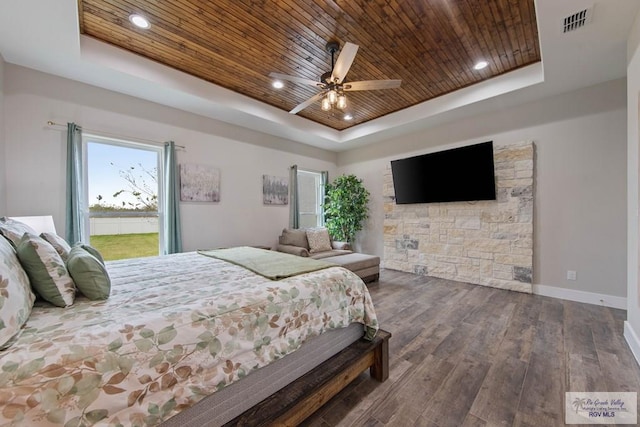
(430, 45)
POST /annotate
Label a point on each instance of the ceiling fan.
(332, 84)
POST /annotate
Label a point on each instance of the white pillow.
(14, 230)
(319, 240)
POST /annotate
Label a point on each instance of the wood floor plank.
(405, 403)
(425, 343)
(449, 405)
(549, 338)
(497, 401)
(578, 334)
(615, 378)
(584, 373)
(453, 346)
(471, 356)
(472, 421)
(490, 333)
(542, 395)
(552, 310)
(517, 341)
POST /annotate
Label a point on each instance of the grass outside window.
(123, 246)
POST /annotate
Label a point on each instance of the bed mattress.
(175, 330)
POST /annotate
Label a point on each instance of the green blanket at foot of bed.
(270, 264)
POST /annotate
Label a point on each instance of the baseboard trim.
(632, 339)
(581, 296)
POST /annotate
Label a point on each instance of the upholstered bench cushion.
(354, 261)
(330, 254)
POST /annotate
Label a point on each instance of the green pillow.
(93, 251)
(89, 274)
(46, 270)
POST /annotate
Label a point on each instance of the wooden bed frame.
(297, 401)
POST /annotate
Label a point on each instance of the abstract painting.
(275, 190)
(199, 183)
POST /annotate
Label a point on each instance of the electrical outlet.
(571, 275)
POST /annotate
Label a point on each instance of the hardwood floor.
(466, 355)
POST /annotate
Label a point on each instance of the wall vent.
(577, 20)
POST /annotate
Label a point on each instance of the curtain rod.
(113, 135)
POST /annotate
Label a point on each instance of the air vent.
(577, 20)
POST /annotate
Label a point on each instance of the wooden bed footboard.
(295, 402)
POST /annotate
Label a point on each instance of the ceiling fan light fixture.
(326, 104)
(277, 84)
(332, 96)
(139, 21)
(332, 85)
(342, 101)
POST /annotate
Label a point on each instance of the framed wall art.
(199, 183)
(275, 190)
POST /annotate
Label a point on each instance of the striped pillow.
(46, 270)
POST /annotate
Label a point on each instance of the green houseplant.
(345, 207)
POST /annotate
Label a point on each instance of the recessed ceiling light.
(278, 84)
(480, 65)
(348, 116)
(139, 21)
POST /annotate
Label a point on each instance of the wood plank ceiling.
(431, 45)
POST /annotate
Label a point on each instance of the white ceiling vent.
(577, 20)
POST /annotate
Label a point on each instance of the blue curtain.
(324, 176)
(172, 232)
(294, 207)
(75, 218)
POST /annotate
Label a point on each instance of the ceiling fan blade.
(296, 79)
(344, 61)
(306, 103)
(372, 85)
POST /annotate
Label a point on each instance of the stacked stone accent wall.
(488, 242)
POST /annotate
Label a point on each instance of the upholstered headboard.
(41, 224)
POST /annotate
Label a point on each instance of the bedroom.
(583, 152)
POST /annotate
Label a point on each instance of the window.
(123, 182)
(310, 199)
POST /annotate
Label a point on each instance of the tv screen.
(460, 174)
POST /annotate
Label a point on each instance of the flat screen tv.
(460, 174)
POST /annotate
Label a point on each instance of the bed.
(187, 339)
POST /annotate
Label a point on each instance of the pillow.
(59, 244)
(14, 230)
(46, 270)
(16, 297)
(89, 274)
(294, 237)
(319, 240)
(293, 250)
(93, 251)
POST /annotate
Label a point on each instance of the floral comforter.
(174, 330)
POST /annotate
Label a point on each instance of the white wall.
(3, 197)
(35, 156)
(580, 167)
(632, 326)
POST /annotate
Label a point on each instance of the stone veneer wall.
(487, 243)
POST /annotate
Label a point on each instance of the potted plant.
(345, 207)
